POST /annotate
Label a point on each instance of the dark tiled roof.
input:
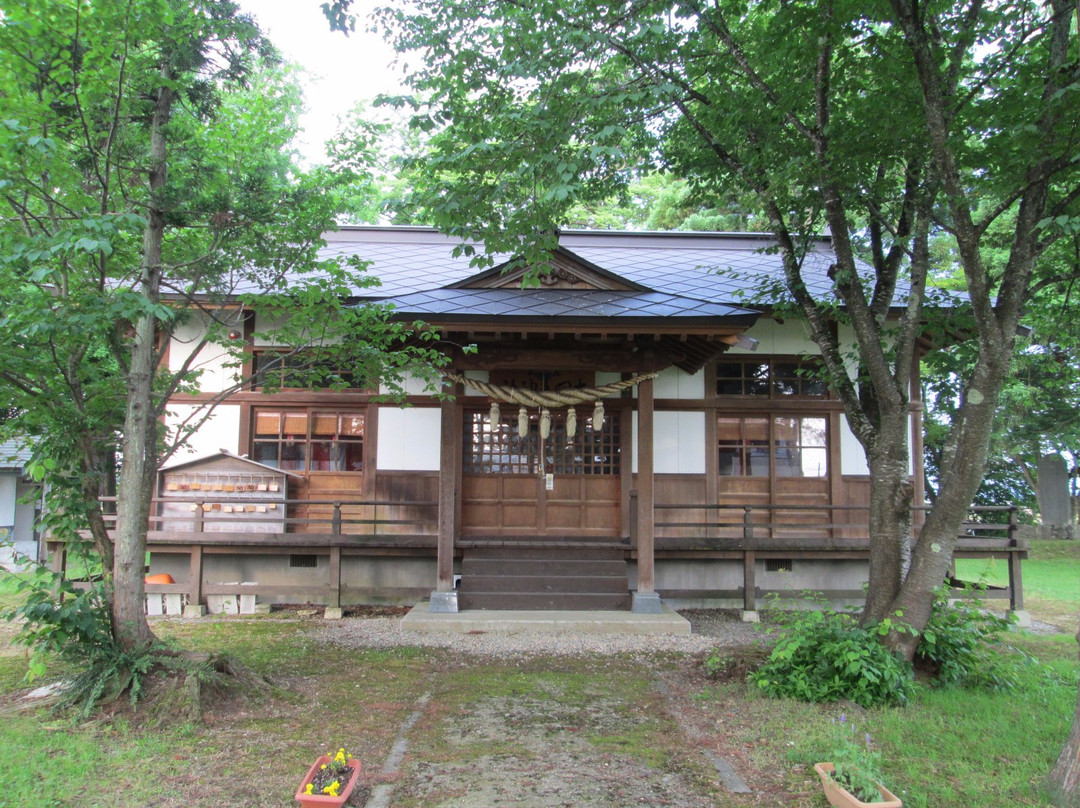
(710, 267)
(543, 304)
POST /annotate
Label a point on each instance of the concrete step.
(547, 551)
(607, 584)
(544, 601)
(544, 578)
(550, 567)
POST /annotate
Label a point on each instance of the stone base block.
(647, 603)
(444, 603)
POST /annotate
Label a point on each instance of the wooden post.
(444, 598)
(1016, 579)
(195, 606)
(749, 585)
(750, 614)
(646, 600)
(335, 522)
(333, 609)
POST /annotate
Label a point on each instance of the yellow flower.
(322, 766)
(310, 789)
(332, 789)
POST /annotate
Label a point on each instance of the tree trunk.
(961, 474)
(140, 439)
(1064, 781)
(890, 515)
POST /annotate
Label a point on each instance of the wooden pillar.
(646, 600)
(195, 606)
(444, 598)
(333, 609)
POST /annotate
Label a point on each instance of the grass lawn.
(1051, 580)
(583, 731)
(511, 718)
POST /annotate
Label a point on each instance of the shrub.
(824, 655)
(74, 624)
(962, 645)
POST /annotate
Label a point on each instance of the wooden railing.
(757, 524)
(755, 532)
(345, 527)
(295, 517)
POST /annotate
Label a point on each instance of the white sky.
(342, 70)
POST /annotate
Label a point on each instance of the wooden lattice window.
(309, 440)
(789, 377)
(750, 446)
(499, 449)
(300, 370)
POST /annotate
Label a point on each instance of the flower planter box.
(840, 797)
(325, 800)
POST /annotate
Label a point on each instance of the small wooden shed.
(224, 492)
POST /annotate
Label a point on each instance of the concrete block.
(751, 616)
(443, 603)
(223, 604)
(333, 613)
(1023, 618)
(647, 603)
(194, 610)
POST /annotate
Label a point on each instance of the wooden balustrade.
(744, 533)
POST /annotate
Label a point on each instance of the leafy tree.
(885, 122)
(1039, 408)
(148, 185)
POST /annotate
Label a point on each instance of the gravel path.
(710, 628)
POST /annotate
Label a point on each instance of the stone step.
(607, 584)
(544, 578)
(550, 567)
(544, 601)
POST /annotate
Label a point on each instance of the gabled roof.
(725, 268)
(225, 455)
(565, 271)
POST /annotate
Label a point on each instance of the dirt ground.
(549, 748)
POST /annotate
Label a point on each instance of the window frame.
(745, 450)
(312, 446)
(772, 379)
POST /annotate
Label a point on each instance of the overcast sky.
(343, 70)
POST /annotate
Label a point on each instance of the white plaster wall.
(25, 512)
(409, 439)
(674, 383)
(606, 377)
(480, 376)
(7, 498)
(412, 386)
(678, 442)
(221, 431)
(790, 337)
(852, 456)
(211, 360)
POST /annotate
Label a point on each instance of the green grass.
(1051, 576)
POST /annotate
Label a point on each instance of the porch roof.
(566, 305)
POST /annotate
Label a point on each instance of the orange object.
(160, 578)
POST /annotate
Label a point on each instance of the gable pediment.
(565, 270)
